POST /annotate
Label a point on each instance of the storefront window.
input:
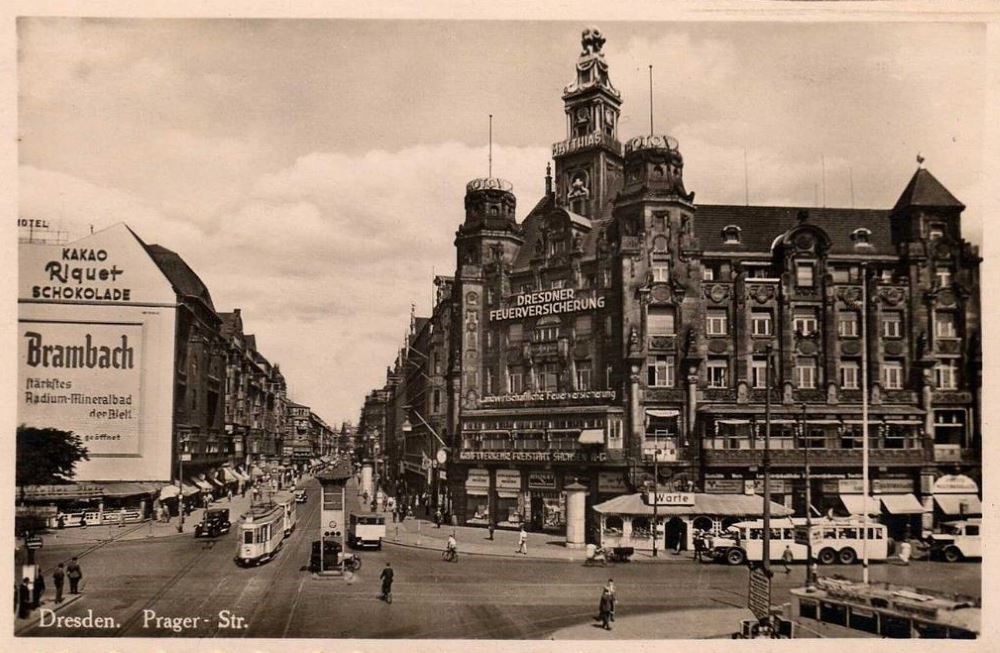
(641, 528)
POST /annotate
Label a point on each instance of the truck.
(957, 541)
(366, 530)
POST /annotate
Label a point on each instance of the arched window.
(861, 237)
(614, 524)
(731, 235)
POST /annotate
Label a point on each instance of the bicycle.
(450, 555)
(386, 594)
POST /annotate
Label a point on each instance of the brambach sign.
(87, 385)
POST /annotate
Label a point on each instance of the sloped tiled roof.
(760, 225)
(230, 323)
(251, 341)
(181, 276)
(926, 191)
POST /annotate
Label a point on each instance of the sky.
(312, 172)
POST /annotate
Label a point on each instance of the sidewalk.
(145, 530)
(421, 533)
(676, 624)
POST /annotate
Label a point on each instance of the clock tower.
(589, 161)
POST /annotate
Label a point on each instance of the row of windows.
(805, 321)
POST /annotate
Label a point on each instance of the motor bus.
(365, 530)
(833, 540)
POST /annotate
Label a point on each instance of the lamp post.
(766, 549)
(656, 483)
(809, 546)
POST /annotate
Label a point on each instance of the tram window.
(832, 613)
(930, 631)
(896, 627)
(248, 537)
(756, 533)
(775, 533)
(807, 609)
(865, 620)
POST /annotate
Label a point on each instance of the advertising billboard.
(83, 378)
(96, 346)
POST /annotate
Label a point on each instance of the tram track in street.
(161, 592)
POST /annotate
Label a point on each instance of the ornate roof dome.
(655, 162)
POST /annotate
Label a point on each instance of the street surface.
(178, 586)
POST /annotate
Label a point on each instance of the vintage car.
(301, 496)
(214, 523)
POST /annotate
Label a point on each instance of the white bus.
(833, 540)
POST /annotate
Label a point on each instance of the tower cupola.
(654, 166)
(489, 203)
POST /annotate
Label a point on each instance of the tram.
(261, 534)
(843, 608)
(290, 518)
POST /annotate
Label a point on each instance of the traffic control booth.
(628, 520)
(332, 513)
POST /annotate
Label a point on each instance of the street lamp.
(656, 483)
(809, 546)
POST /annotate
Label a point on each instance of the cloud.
(324, 257)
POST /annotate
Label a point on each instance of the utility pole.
(809, 546)
(656, 484)
(864, 422)
(767, 467)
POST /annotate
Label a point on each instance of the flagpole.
(864, 422)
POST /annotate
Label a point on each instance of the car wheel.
(827, 557)
(952, 554)
(736, 557)
(847, 556)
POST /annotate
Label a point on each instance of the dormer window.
(861, 237)
(731, 235)
(935, 230)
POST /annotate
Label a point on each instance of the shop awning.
(241, 475)
(660, 412)
(854, 504)
(128, 489)
(169, 492)
(230, 475)
(901, 504)
(204, 485)
(722, 505)
(507, 494)
(591, 436)
(255, 471)
(959, 504)
(213, 481)
(190, 489)
(477, 491)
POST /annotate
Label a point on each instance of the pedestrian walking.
(61, 521)
(786, 557)
(37, 590)
(75, 575)
(522, 542)
(24, 599)
(492, 527)
(229, 495)
(386, 577)
(58, 579)
(905, 551)
(699, 546)
(83, 521)
(607, 608)
(437, 518)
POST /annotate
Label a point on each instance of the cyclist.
(386, 577)
(451, 550)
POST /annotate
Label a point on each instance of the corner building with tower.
(621, 328)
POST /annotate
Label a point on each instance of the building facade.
(622, 328)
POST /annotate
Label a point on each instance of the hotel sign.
(546, 302)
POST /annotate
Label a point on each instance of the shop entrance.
(676, 534)
(537, 515)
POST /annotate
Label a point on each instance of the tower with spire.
(589, 162)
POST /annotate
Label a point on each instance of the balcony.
(820, 457)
